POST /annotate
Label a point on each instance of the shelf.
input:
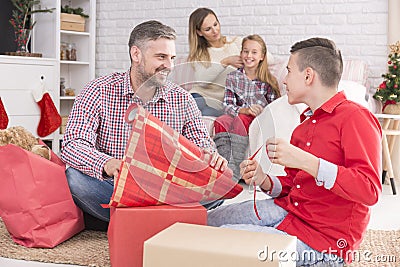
(47, 39)
(25, 60)
(70, 62)
(387, 116)
(67, 97)
(74, 33)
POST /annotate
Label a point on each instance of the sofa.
(280, 118)
(354, 78)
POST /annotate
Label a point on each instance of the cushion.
(278, 69)
(355, 70)
(354, 91)
(278, 119)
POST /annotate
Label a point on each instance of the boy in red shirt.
(333, 165)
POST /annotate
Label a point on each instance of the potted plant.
(388, 91)
(22, 21)
(72, 19)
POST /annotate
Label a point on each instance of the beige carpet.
(379, 249)
(90, 248)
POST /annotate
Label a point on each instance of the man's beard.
(149, 79)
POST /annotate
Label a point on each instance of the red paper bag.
(161, 166)
(35, 201)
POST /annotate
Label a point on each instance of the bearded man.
(96, 134)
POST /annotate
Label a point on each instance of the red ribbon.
(387, 103)
(254, 185)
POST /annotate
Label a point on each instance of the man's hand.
(216, 161)
(111, 168)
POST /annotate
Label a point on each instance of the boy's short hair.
(322, 56)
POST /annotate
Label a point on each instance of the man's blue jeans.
(241, 216)
(89, 193)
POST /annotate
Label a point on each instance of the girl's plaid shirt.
(241, 92)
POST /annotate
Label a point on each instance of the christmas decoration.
(3, 116)
(388, 91)
(22, 22)
(77, 11)
(50, 119)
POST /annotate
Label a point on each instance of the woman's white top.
(210, 78)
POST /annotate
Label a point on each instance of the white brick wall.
(359, 27)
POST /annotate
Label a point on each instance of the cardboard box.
(198, 246)
(62, 129)
(130, 227)
(64, 120)
(72, 22)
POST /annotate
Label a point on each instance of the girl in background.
(247, 91)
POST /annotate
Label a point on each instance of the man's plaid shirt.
(241, 92)
(96, 129)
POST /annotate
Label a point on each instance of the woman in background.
(213, 57)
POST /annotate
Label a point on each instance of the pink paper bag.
(35, 201)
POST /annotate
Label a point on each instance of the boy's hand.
(252, 173)
(281, 152)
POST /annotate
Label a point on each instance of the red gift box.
(130, 227)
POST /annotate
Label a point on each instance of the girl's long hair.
(198, 44)
(263, 73)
